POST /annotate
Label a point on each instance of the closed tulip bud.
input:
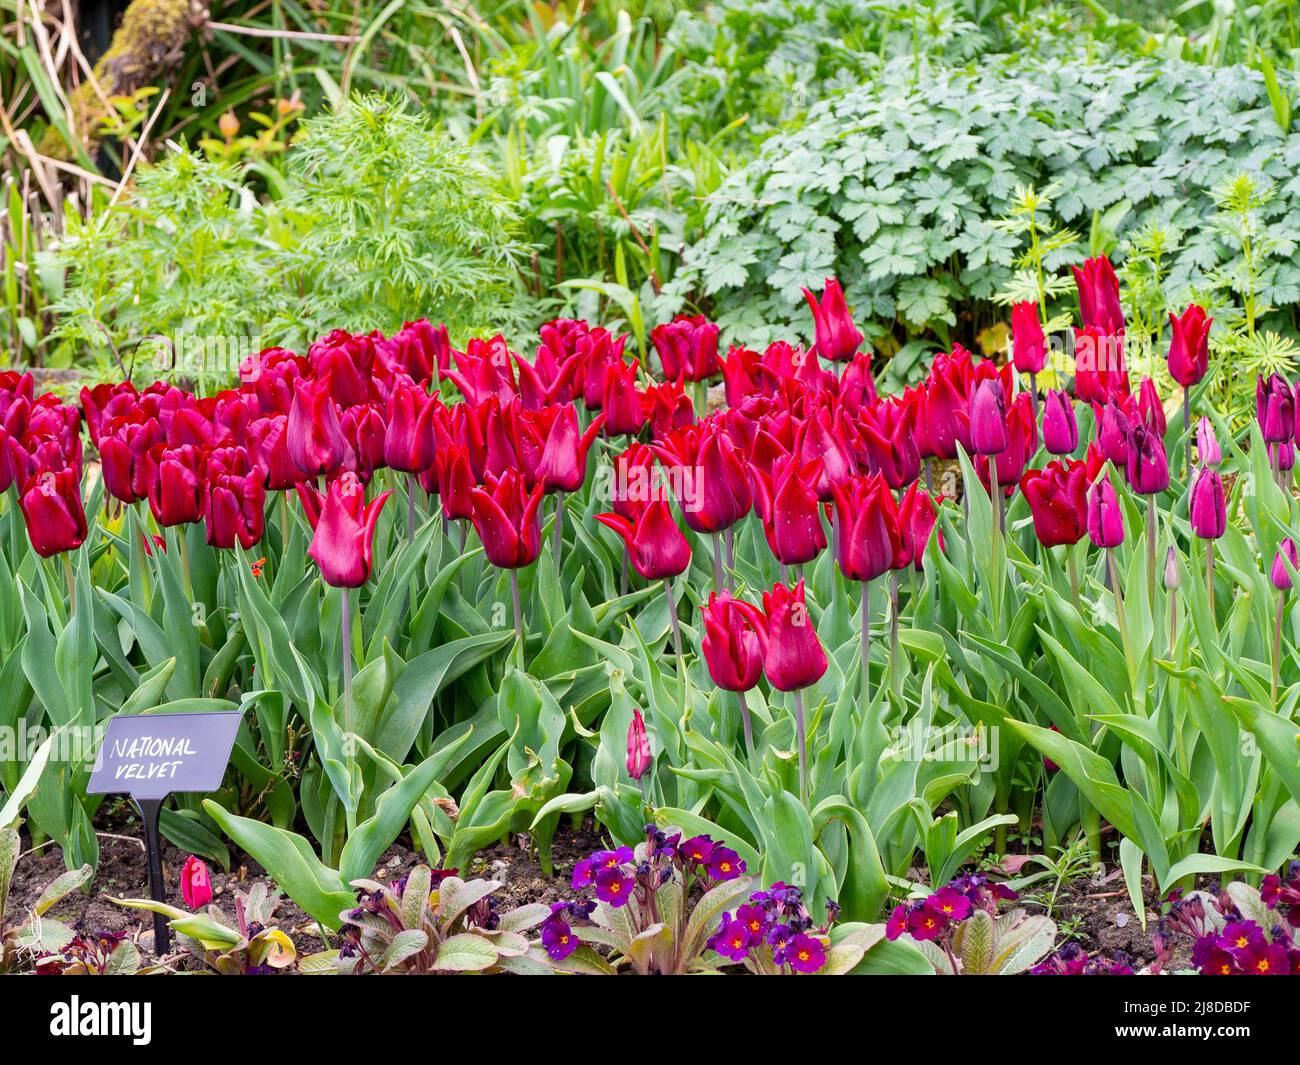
(837, 337)
(1028, 345)
(175, 484)
(315, 437)
(1114, 428)
(735, 642)
(638, 747)
(409, 434)
(988, 419)
(1189, 346)
(234, 508)
(1148, 468)
(1173, 574)
(887, 439)
(1281, 575)
(1207, 444)
(1105, 520)
(1022, 442)
(506, 518)
(1099, 295)
(1275, 408)
(344, 525)
(1058, 501)
(1209, 510)
(795, 657)
(1150, 409)
(1099, 373)
(563, 463)
(363, 427)
(1060, 429)
(787, 504)
(866, 527)
(687, 347)
(196, 885)
(624, 407)
(916, 518)
(1285, 455)
(655, 545)
(51, 506)
(124, 448)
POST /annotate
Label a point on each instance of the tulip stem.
(284, 524)
(1072, 564)
(519, 612)
(677, 643)
(1277, 644)
(1151, 552)
(748, 726)
(72, 582)
(1033, 392)
(717, 564)
(864, 645)
(803, 742)
(349, 804)
(410, 506)
(731, 555)
(1119, 599)
(894, 674)
(1209, 579)
(557, 533)
(1187, 427)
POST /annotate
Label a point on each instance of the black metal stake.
(150, 810)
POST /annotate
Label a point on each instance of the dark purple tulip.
(1209, 511)
(1148, 468)
(1105, 521)
(1060, 430)
(988, 418)
(1281, 576)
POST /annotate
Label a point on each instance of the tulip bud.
(344, 527)
(1281, 576)
(735, 641)
(837, 337)
(1209, 510)
(655, 545)
(638, 747)
(196, 885)
(1207, 444)
(1189, 346)
(988, 418)
(1028, 346)
(1173, 575)
(1275, 408)
(506, 519)
(795, 657)
(866, 527)
(1113, 432)
(314, 434)
(1148, 467)
(52, 510)
(687, 348)
(1099, 295)
(1150, 409)
(1060, 430)
(1105, 520)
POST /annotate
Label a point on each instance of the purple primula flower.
(754, 919)
(613, 887)
(805, 954)
(725, 864)
(897, 923)
(733, 941)
(1238, 936)
(950, 903)
(697, 849)
(558, 938)
(584, 873)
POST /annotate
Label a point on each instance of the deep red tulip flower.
(1280, 575)
(711, 478)
(124, 446)
(1105, 520)
(988, 419)
(789, 364)
(819, 442)
(917, 515)
(563, 463)
(638, 747)
(1150, 409)
(1148, 467)
(786, 502)
(655, 545)
(419, 350)
(1275, 408)
(451, 479)
(268, 446)
(735, 642)
(176, 484)
(51, 506)
(744, 375)
(1028, 345)
(93, 400)
(944, 421)
(634, 483)
(621, 400)
(363, 426)
(867, 535)
(485, 370)
(838, 338)
(347, 360)
(687, 347)
(1022, 442)
(1207, 444)
(1099, 373)
(1209, 509)
(1189, 345)
(547, 380)
(315, 439)
(273, 376)
(795, 658)
(1060, 429)
(234, 508)
(1099, 295)
(597, 351)
(507, 519)
(668, 407)
(344, 525)
(409, 435)
(196, 884)
(888, 440)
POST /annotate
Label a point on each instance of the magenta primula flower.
(697, 849)
(613, 886)
(897, 923)
(949, 903)
(558, 937)
(733, 940)
(804, 953)
(725, 864)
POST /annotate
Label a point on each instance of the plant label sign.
(149, 756)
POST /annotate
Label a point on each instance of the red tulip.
(409, 436)
(1150, 409)
(175, 484)
(548, 380)
(1189, 345)
(1148, 468)
(1275, 408)
(1022, 442)
(234, 508)
(634, 483)
(1099, 295)
(419, 350)
(988, 419)
(668, 407)
(1028, 346)
(715, 489)
(268, 446)
(124, 446)
(273, 376)
(363, 427)
(621, 400)
(857, 391)
(484, 370)
(787, 505)
(344, 525)
(655, 545)
(314, 435)
(1058, 500)
(94, 401)
(1099, 373)
(687, 347)
(638, 747)
(837, 337)
(51, 506)
(818, 443)
(735, 642)
(505, 516)
(196, 885)
(888, 439)
(795, 657)
(916, 518)
(743, 375)
(563, 463)
(344, 360)
(452, 480)
(866, 527)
